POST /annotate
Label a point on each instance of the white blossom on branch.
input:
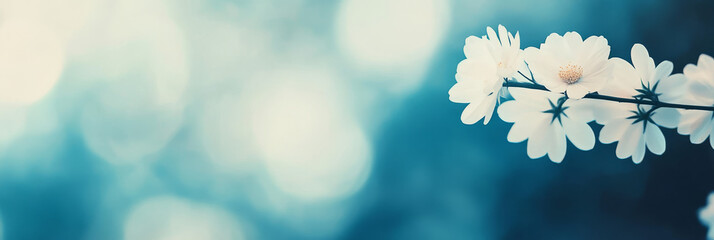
(569, 64)
(479, 77)
(636, 127)
(698, 124)
(569, 82)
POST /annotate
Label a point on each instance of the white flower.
(698, 124)
(547, 120)
(480, 76)
(636, 127)
(706, 215)
(569, 64)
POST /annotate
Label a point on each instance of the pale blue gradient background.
(280, 115)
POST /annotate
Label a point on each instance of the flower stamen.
(570, 73)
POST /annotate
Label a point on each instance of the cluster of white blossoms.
(559, 88)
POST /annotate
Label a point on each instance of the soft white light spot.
(170, 218)
(66, 17)
(312, 147)
(129, 119)
(225, 51)
(225, 133)
(391, 33)
(138, 107)
(31, 61)
(144, 37)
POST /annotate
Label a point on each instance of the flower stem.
(508, 84)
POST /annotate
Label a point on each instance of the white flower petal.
(470, 115)
(663, 70)
(558, 146)
(464, 92)
(558, 47)
(492, 38)
(544, 67)
(596, 81)
(511, 39)
(579, 133)
(706, 61)
(581, 110)
(625, 79)
(673, 88)
(690, 70)
(691, 120)
(535, 100)
(479, 71)
(703, 90)
(593, 53)
(510, 111)
(629, 141)
(605, 111)
(613, 130)
(576, 91)
(654, 139)
(475, 48)
(639, 152)
(701, 132)
(538, 142)
(575, 41)
(491, 105)
(642, 61)
(504, 36)
(467, 71)
(666, 117)
(552, 40)
(522, 129)
(476, 110)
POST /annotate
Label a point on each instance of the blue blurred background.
(297, 119)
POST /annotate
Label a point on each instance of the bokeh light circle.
(31, 61)
(139, 106)
(172, 218)
(391, 33)
(313, 148)
(225, 134)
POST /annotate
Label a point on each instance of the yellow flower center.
(570, 73)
